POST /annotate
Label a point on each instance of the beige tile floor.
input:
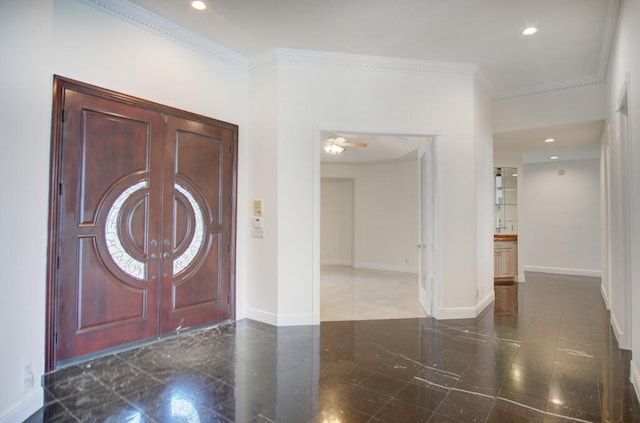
(362, 294)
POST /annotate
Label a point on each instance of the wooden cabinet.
(505, 259)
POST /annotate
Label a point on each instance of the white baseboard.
(616, 329)
(283, 319)
(605, 297)
(521, 278)
(563, 271)
(305, 319)
(262, 316)
(635, 378)
(387, 267)
(485, 302)
(335, 262)
(24, 408)
(448, 313)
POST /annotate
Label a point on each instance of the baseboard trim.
(563, 271)
(484, 303)
(450, 313)
(24, 408)
(635, 378)
(330, 262)
(605, 297)
(295, 319)
(616, 329)
(262, 316)
(273, 319)
(387, 267)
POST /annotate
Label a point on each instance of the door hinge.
(62, 117)
(165, 119)
(229, 249)
(58, 263)
(55, 338)
(228, 298)
(60, 189)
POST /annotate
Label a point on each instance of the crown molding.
(362, 62)
(149, 21)
(550, 88)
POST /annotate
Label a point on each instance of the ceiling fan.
(335, 145)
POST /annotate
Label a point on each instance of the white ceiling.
(571, 47)
(572, 141)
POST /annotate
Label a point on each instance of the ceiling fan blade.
(353, 144)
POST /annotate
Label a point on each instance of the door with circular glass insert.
(144, 224)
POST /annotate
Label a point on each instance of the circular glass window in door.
(119, 254)
(196, 229)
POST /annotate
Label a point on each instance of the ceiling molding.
(149, 21)
(550, 88)
(363, 62)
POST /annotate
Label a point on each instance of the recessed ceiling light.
(198, 5)
(514, 174)
(554, 157)
(549, 140)
(530, 30)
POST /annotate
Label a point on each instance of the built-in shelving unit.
(505, 204)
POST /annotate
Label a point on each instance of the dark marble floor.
(554, 359)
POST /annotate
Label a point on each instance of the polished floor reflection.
(554, 359)
(347, 293)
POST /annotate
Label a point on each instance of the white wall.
(561, 215)
(625, 61)
(262, 274)
(337, 221)
(324, 92)
(71, 39)
(386, 214)
(25, 48)
(483, 178)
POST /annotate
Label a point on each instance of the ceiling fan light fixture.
(332, 148)
(336, 140)
(198, 5)
(530, 30)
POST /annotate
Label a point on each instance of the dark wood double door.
(143, 221)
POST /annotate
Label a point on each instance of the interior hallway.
(347, 293)
(554, 360)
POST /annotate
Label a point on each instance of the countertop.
(507, 237)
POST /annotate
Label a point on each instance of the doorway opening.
(375, 249)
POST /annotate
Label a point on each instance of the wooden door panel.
(142, 218)
(196, 281)
(95, 285)
(107, 288)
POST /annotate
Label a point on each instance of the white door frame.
(317, 174)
